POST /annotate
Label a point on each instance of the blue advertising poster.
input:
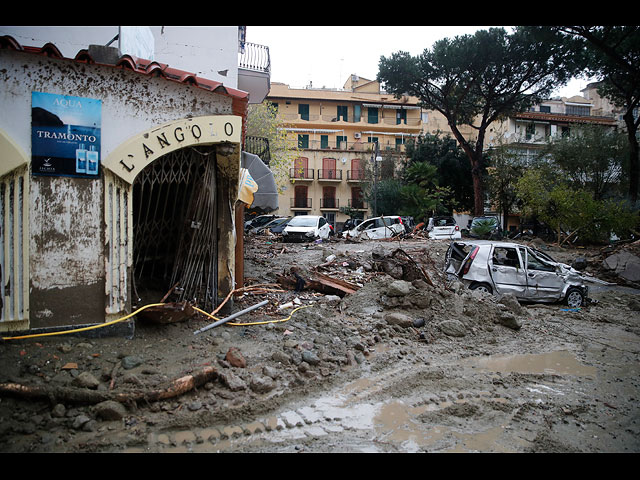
(65, 135)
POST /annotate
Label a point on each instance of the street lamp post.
(375, 158)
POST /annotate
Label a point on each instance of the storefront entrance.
(174, 229)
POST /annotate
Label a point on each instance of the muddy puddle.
(558, 363)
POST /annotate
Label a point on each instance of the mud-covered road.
(396, 366)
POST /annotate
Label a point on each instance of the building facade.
(528, 132)
(81, 245)
(343, 136)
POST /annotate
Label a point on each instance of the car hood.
(299, 229)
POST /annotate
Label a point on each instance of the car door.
(323, 228)
(370, 229)
(507, 271)
(543, 280)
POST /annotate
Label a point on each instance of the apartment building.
(340, 134)
(529, 131)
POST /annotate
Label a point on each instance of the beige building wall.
(337, 131)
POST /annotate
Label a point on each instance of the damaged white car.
(377, 227)
(529, 274)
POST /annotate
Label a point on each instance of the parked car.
(275, 226)
(259, 221)
(487, 227)
(306, 228)
(503, 267)
(443, 228)
(350, 224)
(378, 227)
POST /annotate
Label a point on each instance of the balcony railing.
(301, 173)
(329, 203)
(255, 57)
(355, 175)
(357, 204)
(329, 174)
(352, 146)
(300, 202)
(258, 146)
(390, 121)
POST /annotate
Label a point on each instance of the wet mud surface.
(397, 366)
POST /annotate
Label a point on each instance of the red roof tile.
(139, 65)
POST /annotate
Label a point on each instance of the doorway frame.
(122, 166)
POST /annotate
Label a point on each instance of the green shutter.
(324, 141)
(372, 115)
(342, 112)
(303, 111)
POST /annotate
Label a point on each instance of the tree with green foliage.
(503, 172)
(572, 212)
(476, 80)
(610, 53)
(452, 167)
(421, 194)
(591, 158)
(262, 121)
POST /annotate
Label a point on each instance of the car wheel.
(482, 287)
(574, 298)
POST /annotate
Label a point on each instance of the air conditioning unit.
(357, 135)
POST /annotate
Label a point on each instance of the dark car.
(350, 224)
(259, 221)
(275, 226)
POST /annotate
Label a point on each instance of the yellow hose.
(35, 335)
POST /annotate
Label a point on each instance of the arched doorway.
(175, 219)
(170, 196)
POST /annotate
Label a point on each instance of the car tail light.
(400, 219)
(457, 228)
(469, 261)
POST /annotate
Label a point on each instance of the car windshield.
(444, 222)
(303, 221)
(275, 222)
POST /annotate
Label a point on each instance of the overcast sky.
(327, 55)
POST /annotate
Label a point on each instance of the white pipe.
(231, 317)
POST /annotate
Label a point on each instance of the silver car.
(502, 267)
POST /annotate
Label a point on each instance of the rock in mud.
(261, 384)
(510, 301)
(399, 319)
(509, 320)
(235, 358)
(310, 357)
(453, 328)
(398, 288)
(625, 265)
(131, 361)
(110, 410)
(233, 382)
(86, 380)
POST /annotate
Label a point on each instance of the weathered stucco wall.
(66, 221)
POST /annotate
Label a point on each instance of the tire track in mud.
(396, 410)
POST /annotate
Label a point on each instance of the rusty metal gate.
(175, 229)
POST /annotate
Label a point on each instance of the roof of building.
(140, 66)
(563, 118)
(282, 90)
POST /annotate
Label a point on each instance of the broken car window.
(505, 256)
(534, 263)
